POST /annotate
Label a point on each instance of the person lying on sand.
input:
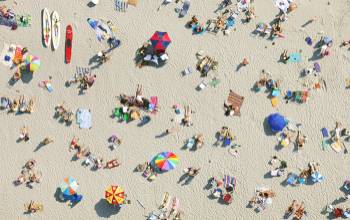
(191, 171)
(139, 95)
(199, 138)
(284, 56)
(47, 141)
(187, 116)
(14, 105)
(300, 140)
(30, 164)
(33, 207)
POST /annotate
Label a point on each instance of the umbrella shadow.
(163, 134)
(27, 77)
(42, 28)
(267, 128)
(267, 175)
(105, 210)
(58, 196)
(90, 4)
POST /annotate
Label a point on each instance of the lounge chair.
(185, 8)
(190, 142)
(165, 201)
(235, 101)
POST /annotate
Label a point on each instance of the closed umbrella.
(276, 122)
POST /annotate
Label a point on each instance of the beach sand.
(120, 75)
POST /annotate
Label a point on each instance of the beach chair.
(235, 101)
(190, 142)
(185, 8)
(121, 5)
(153, 105)
(202, 86)
(229, 181)
(187, 71)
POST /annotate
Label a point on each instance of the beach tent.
(69, 186)
(276, 122)
(115, 195)
(160, 41)
(165, 161)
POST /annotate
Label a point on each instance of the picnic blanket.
(84, 118)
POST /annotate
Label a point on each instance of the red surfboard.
(69, 39)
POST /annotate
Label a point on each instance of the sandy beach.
(139, 144)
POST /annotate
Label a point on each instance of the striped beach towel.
(121, 5)
(229, 180)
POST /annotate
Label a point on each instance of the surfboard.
(69, 39)
(55, 29)
(46, 24)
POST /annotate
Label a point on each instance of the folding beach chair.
(153, 104)
(121, 5)
(235, 101)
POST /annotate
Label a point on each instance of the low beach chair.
(235, 101)
(185, 8)
(121, 5)
(190, 143)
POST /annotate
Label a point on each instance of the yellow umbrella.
(115, 195)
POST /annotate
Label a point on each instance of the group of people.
(64, 114)
(85, 81)
(168, 210)
(29, 174)
(147, 55)
(262, 198)
(222, 189)
(90, 158)
(20, 105)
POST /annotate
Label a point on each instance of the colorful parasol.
(32, 63)
(115, 195)
(69, 186)
(166, 161)
(160, 41)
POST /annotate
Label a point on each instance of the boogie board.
(69, 38)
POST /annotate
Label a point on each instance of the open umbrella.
(32, 63)
(69, 186)
(115, 195)
(160, 41)
(165, 161)
(317, 177)
(276, 122)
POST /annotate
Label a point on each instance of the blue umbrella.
(276, 122)
(327, 40)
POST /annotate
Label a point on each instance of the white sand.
(139, 144)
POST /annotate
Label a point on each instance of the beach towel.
(229, 181)
(84, 118)
(295, 58)
(24, 20)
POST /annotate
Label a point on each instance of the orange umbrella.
(115, 195)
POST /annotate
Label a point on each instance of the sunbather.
(187, 116)
(194, 21)
(300, 140)
(24, 134)
(47, 141)
(199, 138)
(139, 95)
(30, 107)
(113, 163)
(284, 56)
(299, 213)
(33, 207)
(30, 164)
(14, 105)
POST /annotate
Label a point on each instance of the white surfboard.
(55, 29)
(46, 24)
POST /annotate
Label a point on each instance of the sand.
(140, 144)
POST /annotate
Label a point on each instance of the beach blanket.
(295, 58)
(84, 118)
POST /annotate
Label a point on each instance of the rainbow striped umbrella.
(69, 186)
(115, 195)
(32, 63)
(165, 161)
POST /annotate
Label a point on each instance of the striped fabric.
(235, 100)
(121, 5)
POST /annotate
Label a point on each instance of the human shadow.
(26, 76)
(267, 175)
(315, 55)
(90, 5)
(42, 28)
(239, 66)
(39, 146)
(58, 196)
(105, 210)
(161, 135)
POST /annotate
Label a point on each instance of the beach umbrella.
(165, 161)
(69, 186)
(115, 195)
(160, 41)
(32, 63)
(317, 177)
(276, 122)
(327, 40)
